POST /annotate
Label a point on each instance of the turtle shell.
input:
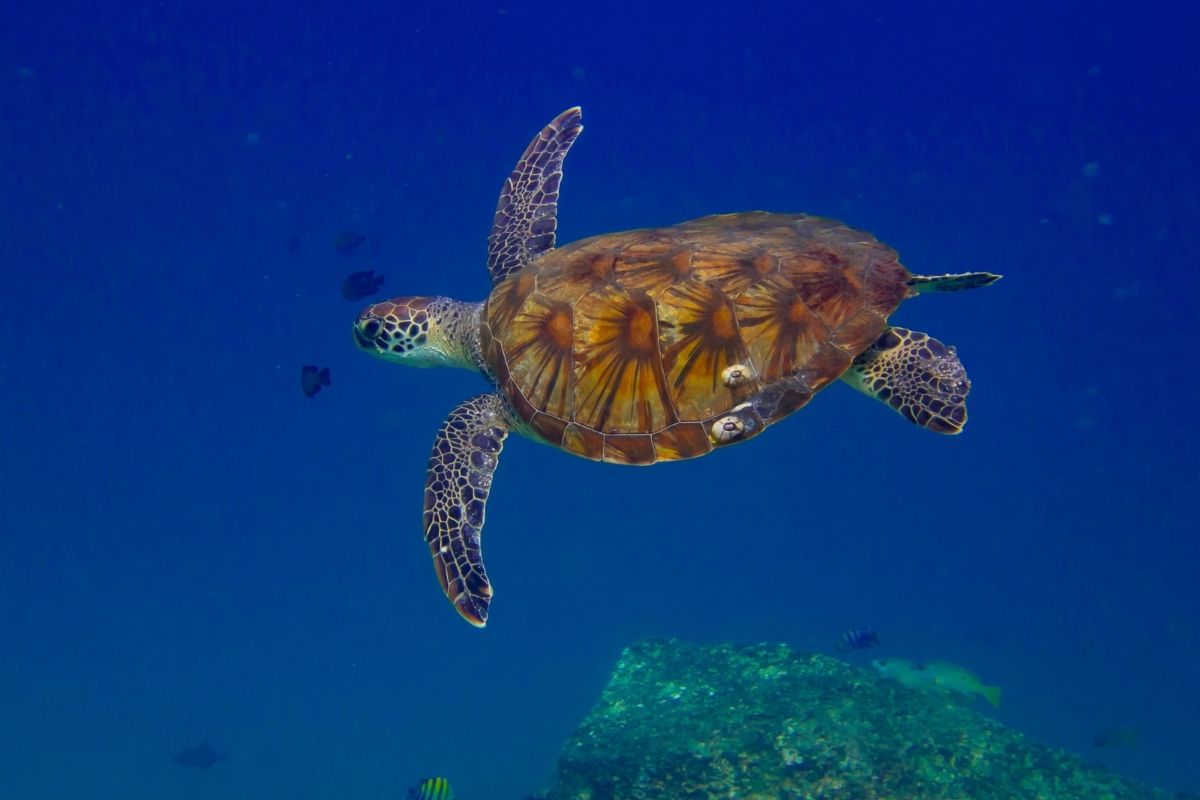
(636, 347)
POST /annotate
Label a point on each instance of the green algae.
(680, 721)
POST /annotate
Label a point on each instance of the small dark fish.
(312, 378)
(859, 639)
(361, 284)
(1122, 736)
(431, 789)
(202, 756)
(292, 245)
(348, 241)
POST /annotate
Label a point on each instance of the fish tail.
(323, 377)
(992, 694)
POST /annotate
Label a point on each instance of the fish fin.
(323, 377)
(992, 695)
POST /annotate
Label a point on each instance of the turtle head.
(417, 331)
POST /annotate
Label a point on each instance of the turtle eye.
(371, 329)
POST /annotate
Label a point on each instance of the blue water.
(190, 549)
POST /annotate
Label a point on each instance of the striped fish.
(859, 639)
(432, 789)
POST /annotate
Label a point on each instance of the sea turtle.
(652, 345)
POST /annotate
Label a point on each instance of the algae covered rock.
(765, 723)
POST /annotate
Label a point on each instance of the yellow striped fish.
(432, 789)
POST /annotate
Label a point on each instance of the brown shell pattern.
(615, 347)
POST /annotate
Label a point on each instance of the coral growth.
(764, 723)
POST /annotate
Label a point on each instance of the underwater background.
(191, 550)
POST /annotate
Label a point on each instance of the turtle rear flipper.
(465, 454)
(918, 376)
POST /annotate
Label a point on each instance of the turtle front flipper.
(527, 212)
(955, 282)
(465, 455)
(917, 375)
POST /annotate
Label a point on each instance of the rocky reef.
(763, 722)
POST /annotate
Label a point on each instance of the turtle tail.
(951, 283)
